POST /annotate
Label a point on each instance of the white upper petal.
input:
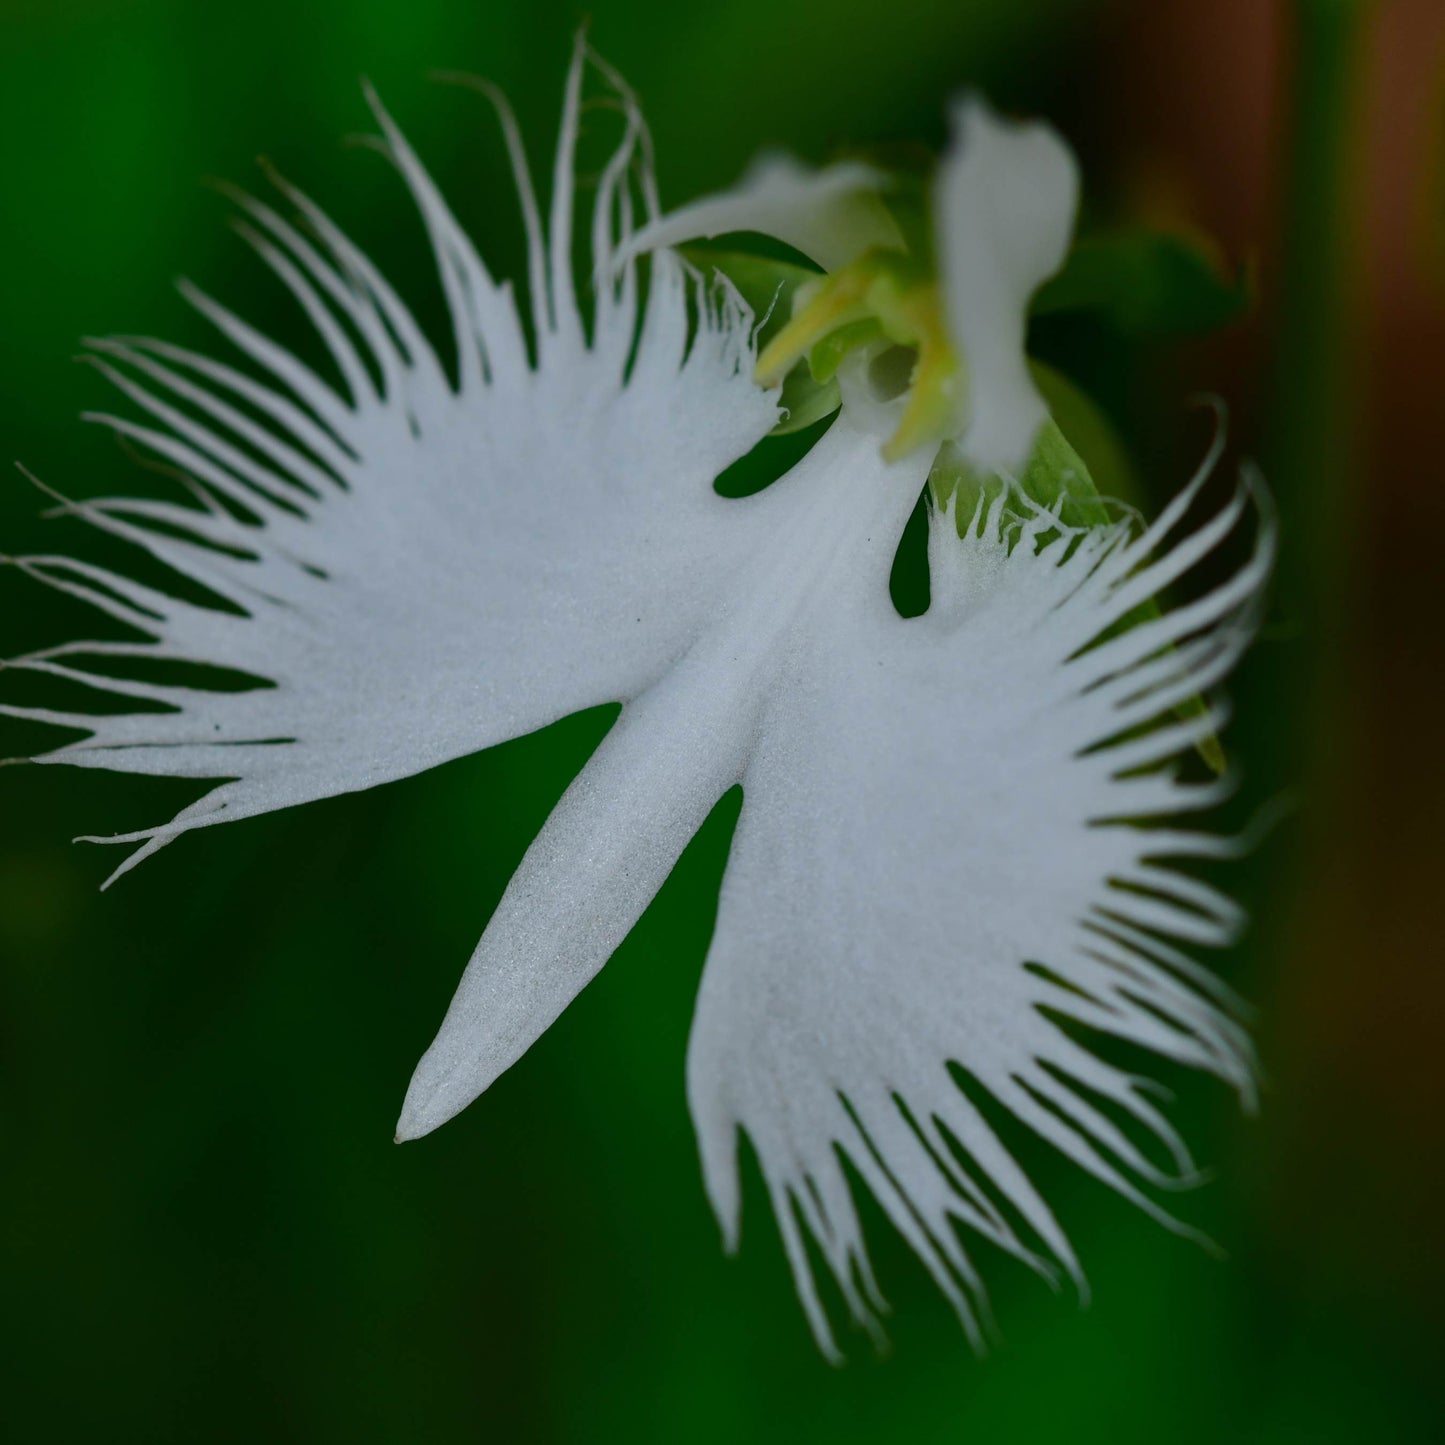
(831, 215)
(1004, 209)
(428, 565)
(931, 811)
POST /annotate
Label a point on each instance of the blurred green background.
(206, 1233)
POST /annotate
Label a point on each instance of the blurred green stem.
(1310, 453)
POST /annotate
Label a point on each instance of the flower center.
(878, 322)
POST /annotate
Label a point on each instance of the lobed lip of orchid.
(955, 828)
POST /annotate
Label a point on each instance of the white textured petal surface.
(433, 563)
(825, 537)
(1004, 209)
(930, 852)
(831, 215)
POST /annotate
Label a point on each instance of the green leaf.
(827, 355)
(1148, 284)
(1091, 433)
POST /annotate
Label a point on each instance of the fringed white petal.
(434, 561)
(932, 851)
(822, 540)
(1004, 209)
(831, 215)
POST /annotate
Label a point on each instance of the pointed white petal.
(595, 866)
(819, 537)
(831, 215)
(1003, 212)
(929, 854)
(444, 557)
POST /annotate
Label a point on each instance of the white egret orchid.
(950, 823)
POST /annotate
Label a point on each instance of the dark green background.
(207, 1233)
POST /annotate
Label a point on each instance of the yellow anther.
(837, 301)
(882, 292)
(937, 396)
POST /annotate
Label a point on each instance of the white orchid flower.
(950, 824)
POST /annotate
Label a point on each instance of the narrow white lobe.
(826, 537)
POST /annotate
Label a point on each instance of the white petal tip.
(423, 1110)
(412, 1126)
(451, 1074)
(429, 1103)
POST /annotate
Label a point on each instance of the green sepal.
(1091, 433)
(826, 357)
(805, 400)
(1148, 284)
(909, 199)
